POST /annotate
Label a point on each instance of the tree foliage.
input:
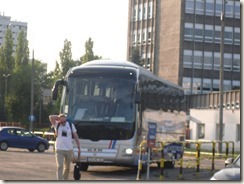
(22, 51)
(15, 104)
(8, 61)
(89, 55)
(136, 57)
(66, 57)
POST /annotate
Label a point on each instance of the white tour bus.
(111, 103)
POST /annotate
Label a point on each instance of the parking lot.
(22, 165)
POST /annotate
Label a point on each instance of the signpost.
(151, 138)
(151, 141)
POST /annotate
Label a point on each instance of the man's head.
(62, 118)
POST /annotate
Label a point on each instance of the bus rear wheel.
(83, 166)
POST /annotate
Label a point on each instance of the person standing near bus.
(65, 132)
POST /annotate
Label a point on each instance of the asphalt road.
(22, 165)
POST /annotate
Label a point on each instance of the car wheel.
(41, 147)
(3, 145)
(31, 150)
(83, 166)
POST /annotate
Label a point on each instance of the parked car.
(17, 137)
(230, 172)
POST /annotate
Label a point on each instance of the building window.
(199, 32)
(198, 59)
(227, 85)
(235, 84)
(209, 7)
(189, 8)
(186, 84)
(201, 131)
(227, 61)
(237, 36)
(208, 33)
(218, 7)
(236, 63)
(187, 59)
(139, 38)
(216, 61)
(144, 36)
(237, 9)
(206, 87)
(149, 35)
(228, 35)
(134, 13)
(140, 12)
(229, 9)
(188, 35)
(216, 85)
(144, 12)
(208, 60)
(217, 34)
(196, 85)
(150, 10)
(199, 7)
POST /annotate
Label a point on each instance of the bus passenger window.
(122, 102)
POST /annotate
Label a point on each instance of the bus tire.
(83, 166)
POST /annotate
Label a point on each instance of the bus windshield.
(102, 105)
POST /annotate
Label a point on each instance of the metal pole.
(32, 94)
(221, 77)
(5, 93)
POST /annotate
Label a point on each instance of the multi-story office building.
(16, 28)
(180, 41)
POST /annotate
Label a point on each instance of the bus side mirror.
(55, 88)
(138, 98)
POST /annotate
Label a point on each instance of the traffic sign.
(151, 138)
(32, 118)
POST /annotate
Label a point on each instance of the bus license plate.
(94, 159)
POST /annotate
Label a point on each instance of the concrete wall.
(170, 29)
(231, 120)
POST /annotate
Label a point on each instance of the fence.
(197, 152)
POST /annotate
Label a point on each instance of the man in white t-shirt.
(64, 144)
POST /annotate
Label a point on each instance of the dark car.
(231, 172)
(17, 137)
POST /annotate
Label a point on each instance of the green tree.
(18, 100)
(66, 58)
(22, 51)
(6, 67)
(8, 61)
(136, 57)
(89, 55)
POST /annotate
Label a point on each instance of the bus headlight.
(128, 151)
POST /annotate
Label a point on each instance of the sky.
(50, 22)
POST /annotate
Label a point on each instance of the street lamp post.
(32, 95)
(6, 91)
(221, 76)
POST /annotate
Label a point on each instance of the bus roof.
(116, 63)
(125, 64)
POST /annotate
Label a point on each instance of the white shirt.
(64, 139)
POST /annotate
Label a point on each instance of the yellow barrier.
(198, 155)
(139, 171)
